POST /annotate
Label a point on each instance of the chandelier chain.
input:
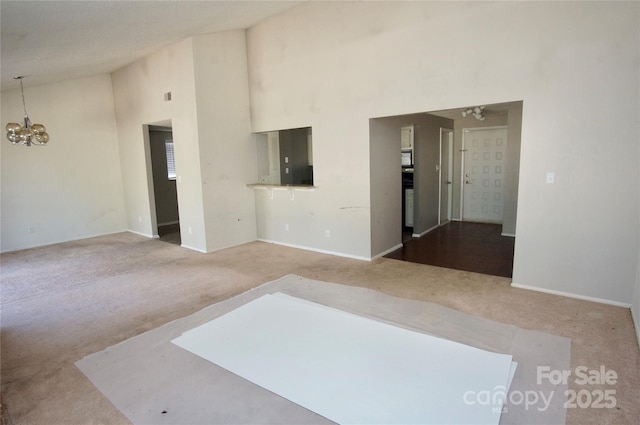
(24, 104)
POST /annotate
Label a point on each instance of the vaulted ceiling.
(51, 41)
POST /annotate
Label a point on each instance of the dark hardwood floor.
(170, 233)
(474, 247)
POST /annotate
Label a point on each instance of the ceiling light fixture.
(29, 134)
(477, 112)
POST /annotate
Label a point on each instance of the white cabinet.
(406, 137)
(408, 207)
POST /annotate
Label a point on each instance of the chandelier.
(477, 112)
(27, 134)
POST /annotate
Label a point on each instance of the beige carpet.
(64, 302)
(153, 381)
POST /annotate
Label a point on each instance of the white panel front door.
(485, 152)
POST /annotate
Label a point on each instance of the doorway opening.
(407, 154)
(165, 194)
(476, 159)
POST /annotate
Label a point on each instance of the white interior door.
(484, 155)
(446, 175)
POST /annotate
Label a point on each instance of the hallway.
(474, 247)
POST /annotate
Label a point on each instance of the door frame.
(449, 177)
(463, 152)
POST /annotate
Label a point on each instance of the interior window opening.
(285, 157)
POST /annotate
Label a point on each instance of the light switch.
(551, 177)
(286, 159)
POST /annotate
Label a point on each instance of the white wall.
(72, 188)
(337, 204)
(514, 133)
(334, 65)
(386, 184)
(209, 114)
(580, 235)
(228, 154)
(139, 99)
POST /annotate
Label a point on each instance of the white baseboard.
(220, 248)
(193, 249)
(321, 251)
(388, 251)
(571, 295)
(511, 235)
(146, 235)
(431, 229)
(89, 236)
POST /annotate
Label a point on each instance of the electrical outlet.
(286, 227)
(327, 233)
(31, 229)
(190, 231)
(139, 219)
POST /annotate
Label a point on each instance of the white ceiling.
(54, 40)
(49, 41)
